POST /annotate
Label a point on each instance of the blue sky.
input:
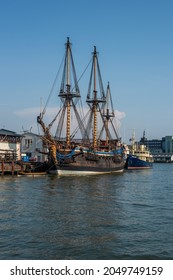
(134, 39)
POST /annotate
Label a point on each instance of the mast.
(107, 115)
(108, 118)
(94, 101)
(92, 97)
(66, 93)
(133, 142)
(69, 94)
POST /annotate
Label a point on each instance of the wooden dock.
(10, 167)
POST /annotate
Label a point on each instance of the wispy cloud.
(27, 112)
(119, 115)
(29, 117)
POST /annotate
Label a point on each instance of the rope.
(44, 110)
(83, 73)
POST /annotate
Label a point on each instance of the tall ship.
(139, 156)
(98, 149)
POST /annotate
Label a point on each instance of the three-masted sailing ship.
(97, 151)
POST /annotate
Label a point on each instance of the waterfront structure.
(167, 144)
(9, 145)
(161, 149)
(32, 148)
(154, 145)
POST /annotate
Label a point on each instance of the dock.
(10, 167)
(163, 158)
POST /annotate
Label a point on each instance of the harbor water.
(109, 217)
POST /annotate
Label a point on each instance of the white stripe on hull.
(72, 172)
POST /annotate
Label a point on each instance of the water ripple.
(127, 216)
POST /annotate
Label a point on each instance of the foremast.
(69, 96)
(66, 93)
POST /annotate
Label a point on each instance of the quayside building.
(162, 150)
(27, 146)
(18, 151)
(9, 145)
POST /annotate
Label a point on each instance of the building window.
(28, 143)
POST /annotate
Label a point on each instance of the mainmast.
(92, 96)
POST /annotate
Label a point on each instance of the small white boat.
(31, 174)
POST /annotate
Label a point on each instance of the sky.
(134, 40)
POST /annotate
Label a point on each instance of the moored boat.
(133, 163)
(139, 156)
(31, 174)
(97, 151)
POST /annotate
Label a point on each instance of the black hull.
(82, 165)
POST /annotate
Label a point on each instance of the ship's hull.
(70, 170)
(134, 163)
(82, 165)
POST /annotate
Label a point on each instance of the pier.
(163, 158)
(10, 167)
